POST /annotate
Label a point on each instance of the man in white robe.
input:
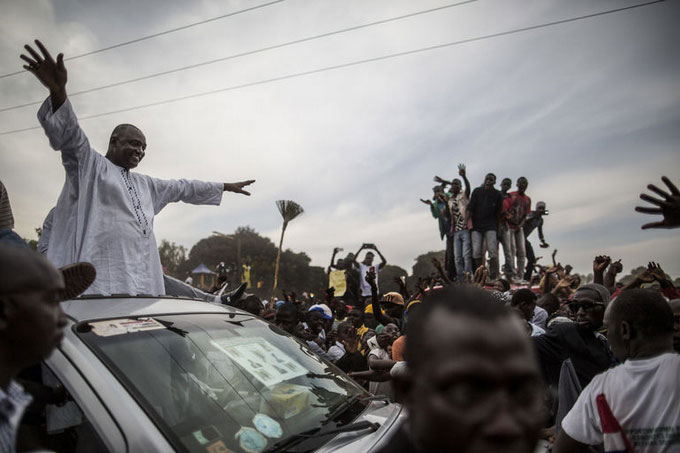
(105, 213)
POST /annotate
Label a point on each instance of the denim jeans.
(462, 250)
(504, 239)
(491, 239)
(518, 249)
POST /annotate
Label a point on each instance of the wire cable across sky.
(353, 63)
(155, 35)
(251, 52)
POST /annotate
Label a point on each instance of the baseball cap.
(324, 309)
(393, 297)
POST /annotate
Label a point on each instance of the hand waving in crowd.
(668, 206)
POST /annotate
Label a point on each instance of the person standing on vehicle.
(517, 207)
(31, 323)
(462, 243)
(484, 208)
(533, 220)
(105, 212)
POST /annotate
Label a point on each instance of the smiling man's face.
(127, 146)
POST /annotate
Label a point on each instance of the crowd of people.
(475, 224)
(480, 362)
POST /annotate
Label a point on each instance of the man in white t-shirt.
(364, 267)
(643, 393)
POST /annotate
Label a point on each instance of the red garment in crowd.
(516, 207)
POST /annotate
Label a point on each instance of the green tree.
(424, 266)
(387, 275)
(629, 277)
(173, 257)
(246, 246)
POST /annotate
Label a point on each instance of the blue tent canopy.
(202, 269)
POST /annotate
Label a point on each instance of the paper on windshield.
(267, 363)
(123, 326)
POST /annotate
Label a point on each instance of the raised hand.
(428, 202)
(441, 180)
(646, 276)
(601, 262)
(563, 283)
(237, 187)
(461, 169)
(51, 73)
(370, 278)
(616, 267)
(553, 269)
(668, 206)
(481, 274)
(656, 271)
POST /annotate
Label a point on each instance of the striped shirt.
(12, 406)
(6, 218)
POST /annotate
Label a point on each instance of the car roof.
(105, 307)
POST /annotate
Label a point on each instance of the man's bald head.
(22, 270)
(122, 128)
(638, 321)
(645, 310)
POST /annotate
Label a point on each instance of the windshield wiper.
(314, 432)
(341, 408)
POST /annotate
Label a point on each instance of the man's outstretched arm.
(51, 73)
(237, 187)
(164, 191)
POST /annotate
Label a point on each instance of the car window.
(54, 421)
(213, 381)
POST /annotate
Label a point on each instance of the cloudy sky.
(588, 111)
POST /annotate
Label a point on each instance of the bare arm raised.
(51, 73)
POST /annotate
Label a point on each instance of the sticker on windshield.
(267, 363)
(206, 435)
(250, 440)
(267, 426)
(123, 326)
(218, 447)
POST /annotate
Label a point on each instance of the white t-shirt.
(644, 396)
(363, 284)
(336, 352)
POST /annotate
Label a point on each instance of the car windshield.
(222, 381)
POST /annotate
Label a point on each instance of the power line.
(155, 35)
(353, 63)
(250, 52)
